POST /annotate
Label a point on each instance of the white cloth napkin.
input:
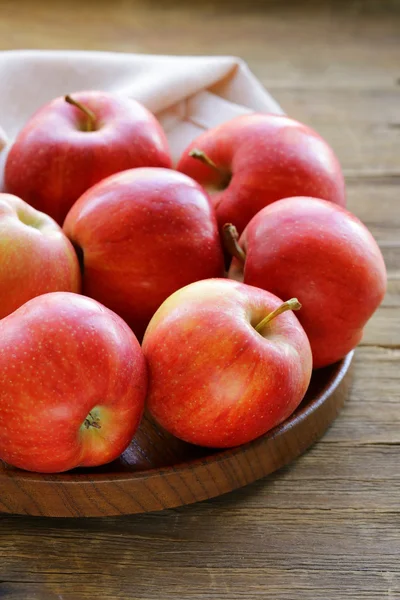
(187, 94)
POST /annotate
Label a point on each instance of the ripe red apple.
(143, 234)
(256, 159)
(325, 256)
(70, 144)
(225, 365)
(72, 384)
(36, 256)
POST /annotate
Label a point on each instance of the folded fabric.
(188, 94)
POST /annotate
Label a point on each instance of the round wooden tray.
(158, 471)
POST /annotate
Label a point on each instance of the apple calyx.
(292, 304)
(204, 158)
(92, 421)
(230, 238)
(91, 117)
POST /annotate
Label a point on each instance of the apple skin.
(144, 234)
(213, 380)
(63, 356)
(53, 160)
(36, 256)
(268, 157)
(323, 255)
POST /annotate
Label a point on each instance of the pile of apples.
(126, 284)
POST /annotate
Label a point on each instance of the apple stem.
(292, 304)
(230, 238)
(91, 117)
(92, 421)
(204, 158)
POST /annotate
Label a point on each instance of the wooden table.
(327, 527)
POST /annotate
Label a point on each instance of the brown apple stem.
(230, 238)
(91, 117)
(292, 304)
(204, 158)
(92, 421)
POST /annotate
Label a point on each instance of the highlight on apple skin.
(255, 159)
(73, 381)
(36, 255)
(324, 255)
(75, 141)
(143, 234)
(224, 365)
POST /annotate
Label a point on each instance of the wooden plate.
(158, 471)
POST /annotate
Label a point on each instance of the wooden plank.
(208, 583)
(303, 45)
(378, 208)
(372, 415)
(208, 560)
(364, 135)
(384, 328)
(392, 298)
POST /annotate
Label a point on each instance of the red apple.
(72, 384)
(143, 234)
(66, 148)
(325, 256)
(256, 159)
(224, 368)
(36, 256)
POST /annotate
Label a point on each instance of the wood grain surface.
(328, 526)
